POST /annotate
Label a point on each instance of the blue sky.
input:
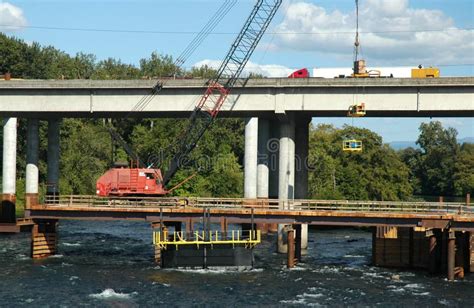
(449, 43)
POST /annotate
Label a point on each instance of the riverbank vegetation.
(441, 166)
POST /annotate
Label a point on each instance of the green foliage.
(158, 66)
(439, 153)
(203, 72)
(85, 155)
(463, 178)
(376, 173)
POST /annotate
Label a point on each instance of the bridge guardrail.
(271, 204)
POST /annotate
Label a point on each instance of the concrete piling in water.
(301, 169)
(286, 177)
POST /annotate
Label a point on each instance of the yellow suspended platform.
(247, 238)
(352, 145)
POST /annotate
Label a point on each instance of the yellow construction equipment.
(430, 72)
(352, 145)
(360, 69)
(356, 110)
(246, 238)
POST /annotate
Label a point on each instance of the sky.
(304, 33)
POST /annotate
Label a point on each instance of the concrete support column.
(250, 158)
(53, 157)
(286, 174)
(7, 208)
(301, 170)
(32, 173)
(273, 146)
(263, 169)
(9, 159)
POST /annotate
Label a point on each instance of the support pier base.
(44, 239)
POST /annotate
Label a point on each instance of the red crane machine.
(141, 181)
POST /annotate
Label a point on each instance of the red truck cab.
(302, 73)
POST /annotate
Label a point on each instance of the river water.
(110, 264)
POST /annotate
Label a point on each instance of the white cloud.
(11, 17)
(394, 42)
(267, 70)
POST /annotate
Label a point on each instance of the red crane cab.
(302, 73)
(131, 182)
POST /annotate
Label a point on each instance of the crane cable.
(357, 42)
(188, 51)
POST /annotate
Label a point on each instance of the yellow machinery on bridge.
(420, 72)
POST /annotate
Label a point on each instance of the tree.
(376, 173)
(158, 66)
(85, 153)
(439, 153)
(413, 159)
(463, 177)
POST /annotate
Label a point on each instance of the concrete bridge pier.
(53, 157)
(301, 170)
(32, 173)
(263, 169)
(286, 174)
(7, 208)
(250, 158)
(273, 147)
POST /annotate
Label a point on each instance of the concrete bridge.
(315, 97)
(278, 113)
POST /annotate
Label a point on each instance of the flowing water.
(110, 264)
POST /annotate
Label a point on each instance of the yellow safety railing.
(248, 238)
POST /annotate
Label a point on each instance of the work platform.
(459, 216)
(22, 224)
(437, 236)
(205, 248)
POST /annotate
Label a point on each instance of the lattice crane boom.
(219, 87)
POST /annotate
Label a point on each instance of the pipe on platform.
(53, 157)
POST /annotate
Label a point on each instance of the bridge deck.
(319, 212)
(317, 97)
